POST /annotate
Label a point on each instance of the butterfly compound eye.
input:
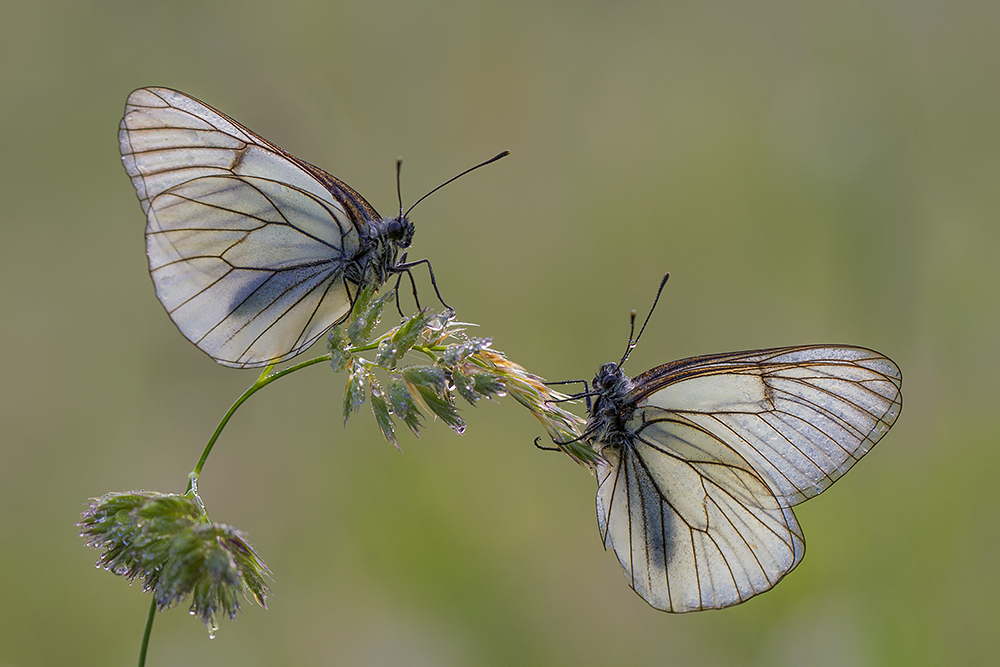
(395, 230)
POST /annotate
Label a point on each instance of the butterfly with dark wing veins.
(701, 461)
(254, 253)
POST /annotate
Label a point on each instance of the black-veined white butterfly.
(254, 253)
(702, 459)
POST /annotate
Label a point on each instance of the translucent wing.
(696, 505)
(247, 245)
(693, 534)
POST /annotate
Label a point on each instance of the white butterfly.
(702, 460)
(254, 253)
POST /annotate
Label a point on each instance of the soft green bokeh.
(821, 172)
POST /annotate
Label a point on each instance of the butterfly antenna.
(399, 188)
(632, 342)
(481, 164)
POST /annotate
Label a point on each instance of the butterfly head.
(611, 384)
(399, 231)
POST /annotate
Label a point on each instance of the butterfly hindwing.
(693, 534)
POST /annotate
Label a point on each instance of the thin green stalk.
(147, 631)
(262, 381)
(429, 351)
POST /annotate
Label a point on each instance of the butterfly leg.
(395, 290)
(413, 286)
(586, 394)
(404, 267)
(561, 443)
(350, 297)
(546, 449)
(409, 265)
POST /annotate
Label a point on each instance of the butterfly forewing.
(697, 503)
(247, 245)
(800, 416)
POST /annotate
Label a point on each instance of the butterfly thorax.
(611, 409)
(379, 254)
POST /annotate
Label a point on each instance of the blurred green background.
(807, 173)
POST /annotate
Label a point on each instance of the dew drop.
(212, 630)
(460, 429)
